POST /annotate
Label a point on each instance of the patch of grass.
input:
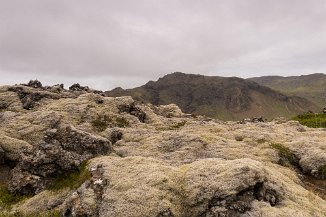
(285, 154)
(102, 122)
(178, 125)
(312, 120)
(7, 199)
(72, 180)
(322, 171)
(121, 122)
(261, 141)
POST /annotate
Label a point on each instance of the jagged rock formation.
(146, 160)
(226, 98)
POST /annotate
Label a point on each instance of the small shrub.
(101, 123)
(121, 122)
(72, 180)
(178, 125)
(285, 154)
(261, 141)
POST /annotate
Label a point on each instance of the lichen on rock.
(146, 160)
(61, 151)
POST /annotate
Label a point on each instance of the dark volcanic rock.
(2, 156)
(61, 151)
(133, 110)
(35, 84)
(115, 135)
(238, 204)
(58, 88)
(28, 98)
(3, 105)
(78, 87)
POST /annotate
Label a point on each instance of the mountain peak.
(228, 98)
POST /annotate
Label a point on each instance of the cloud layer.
(109, 43)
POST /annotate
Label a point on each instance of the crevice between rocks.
(240, 203)
(78, 204)
(310, 180)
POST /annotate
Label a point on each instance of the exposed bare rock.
(34, 84)
(115, 135)
(3, 105)
(78, 87)
(133, 110)
(29, 98)
(2, 156)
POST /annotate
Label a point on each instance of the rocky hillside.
(226, 98)
(311, 87)
(78, 153)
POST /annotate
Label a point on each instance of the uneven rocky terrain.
(146, 160)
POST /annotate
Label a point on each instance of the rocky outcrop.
(78, 87)
(62, 151)
(34, 84)
(133, 110)
(29, 98)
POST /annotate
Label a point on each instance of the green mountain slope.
(311, 87)
(226, 98)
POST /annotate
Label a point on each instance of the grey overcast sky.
(106, 43)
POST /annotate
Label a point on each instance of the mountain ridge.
(226, 98)
(311, 87)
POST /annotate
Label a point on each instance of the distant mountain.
(226, 98)
(311, 87)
